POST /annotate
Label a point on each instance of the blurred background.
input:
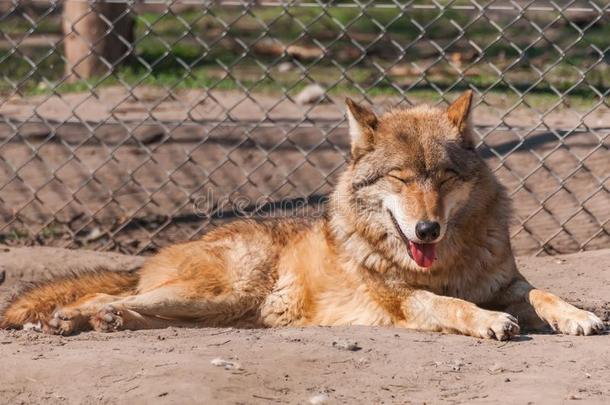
(130, 125)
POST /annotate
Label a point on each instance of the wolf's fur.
(352, 266)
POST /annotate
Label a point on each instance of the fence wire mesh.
(129, 125)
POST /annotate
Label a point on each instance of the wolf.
(415, 235)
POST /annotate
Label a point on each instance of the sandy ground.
(303, 365)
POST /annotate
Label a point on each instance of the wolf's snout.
(428, 231)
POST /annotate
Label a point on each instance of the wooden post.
(92, 47)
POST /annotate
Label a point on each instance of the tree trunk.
(98, 36)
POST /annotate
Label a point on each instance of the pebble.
(457, 365)
(319, 399)
(310, 94)
(496, 368)
(29, 326)
(345, 344)
(228, 365)
(285, 67)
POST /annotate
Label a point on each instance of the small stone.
(29, 326)
(93, 235)
(457, 365)
(344, 344)
(574, 397)
(319, 399)
(228, 365)
(285, 67)
(310, 94)
(496, 368)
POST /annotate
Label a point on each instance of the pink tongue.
(423, 253)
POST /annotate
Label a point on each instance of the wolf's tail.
(37, 301)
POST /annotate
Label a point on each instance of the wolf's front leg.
(424, 310)
(523, 299)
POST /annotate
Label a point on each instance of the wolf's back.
(36, 302)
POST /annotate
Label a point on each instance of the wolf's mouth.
(424, 254)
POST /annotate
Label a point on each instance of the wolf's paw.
(499, 325)
(577, 322)
(62, 322)
(108, 319)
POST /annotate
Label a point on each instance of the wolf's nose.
(428, 231)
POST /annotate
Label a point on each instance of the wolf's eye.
(365, 182)
(401, 179)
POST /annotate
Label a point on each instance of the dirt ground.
(306, 365)
(134, 171)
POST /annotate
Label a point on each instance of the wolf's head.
(414, 179)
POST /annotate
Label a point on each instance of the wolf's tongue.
(423, 253)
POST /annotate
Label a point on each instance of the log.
(97, 37)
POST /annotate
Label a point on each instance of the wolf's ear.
(362, 125)
(458, 113)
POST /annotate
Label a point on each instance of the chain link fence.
(129, 125)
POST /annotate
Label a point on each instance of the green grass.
(17, 25)
(325, 26)
(14, 234)
(180, 59)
